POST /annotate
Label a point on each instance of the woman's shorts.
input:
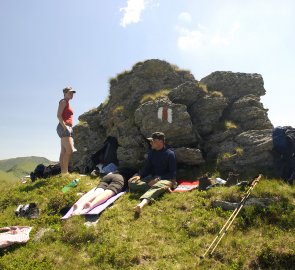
(64, 133)
(113, 182)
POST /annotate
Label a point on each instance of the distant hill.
(14, 168)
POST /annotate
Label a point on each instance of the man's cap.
(157, 135)
(68, 89)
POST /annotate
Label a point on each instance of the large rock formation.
(218, 119)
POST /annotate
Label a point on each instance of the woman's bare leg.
(61, 156)
(67, 144)
(100, 198)
(78, 207)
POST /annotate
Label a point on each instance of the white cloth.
(220, 180)
(14, 234)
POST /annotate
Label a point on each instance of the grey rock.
(206, 113)
(249, 114)
(187, 93)
(235, 85)
(40, 233)
(178, 130)
(189, 156)
(254, 153)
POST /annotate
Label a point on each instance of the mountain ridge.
(13, 169)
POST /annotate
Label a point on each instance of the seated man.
(110, 185)
(158, 175)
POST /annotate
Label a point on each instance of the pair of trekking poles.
(230, 220)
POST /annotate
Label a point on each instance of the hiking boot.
(232, 179)
(204, 182)
(29, 210)
(18, 209)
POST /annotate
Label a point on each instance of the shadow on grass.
(9, 249)
(33, 187)
(134, 196)
(270, 259)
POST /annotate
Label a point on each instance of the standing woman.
(64, 129)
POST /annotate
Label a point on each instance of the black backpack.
(53, 169)
(283, 139)
(38, 172)
(284, 152)
(107, 153)
(280, 140)
(42, 171)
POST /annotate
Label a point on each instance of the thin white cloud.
(192, 39)
(134, 9)
(132, 12)
(226, 38)
(185, 17)
(188, 39)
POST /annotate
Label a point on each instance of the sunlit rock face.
(218, 120)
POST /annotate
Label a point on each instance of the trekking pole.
(230, 220)
(242, 203)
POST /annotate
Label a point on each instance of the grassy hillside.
(171, 234)
(12, 169)
(7, 177)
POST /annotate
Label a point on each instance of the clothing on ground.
(14, 234)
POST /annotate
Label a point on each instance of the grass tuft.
(203, 87)
(154, 96)
(230, 125)
(217, 94)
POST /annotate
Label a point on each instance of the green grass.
(172, 233)
(8, 177)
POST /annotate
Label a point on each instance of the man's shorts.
(64, 133)
(113, 182)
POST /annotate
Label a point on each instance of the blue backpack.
(281, 143)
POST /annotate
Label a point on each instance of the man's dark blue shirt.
(160, 163)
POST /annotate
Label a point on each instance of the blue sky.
(47, 45)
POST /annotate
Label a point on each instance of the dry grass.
(154, 96)
(203, 87)
(230, 125)
(217, 94)
(118, 109)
